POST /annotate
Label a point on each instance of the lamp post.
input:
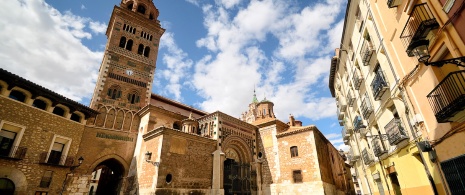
(80, 160)
(419, 48)
(148, 157)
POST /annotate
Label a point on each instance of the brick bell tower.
(128, 66)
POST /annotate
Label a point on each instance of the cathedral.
(132, 141)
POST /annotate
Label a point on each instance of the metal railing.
(366, 107)
(419, 24)
(366, 52)
(340, 114)
(357, 123)
(393, 3)
(345, 133)
(395, 131)
(350, 98)
(62, 160)
(378, 147)
(367, 156)
(357, 79)
(15, 152)
(448, 97)
(379, 85)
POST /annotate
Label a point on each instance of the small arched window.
(147, 51)
(38, 103)
(59, 111)
(294, 151)
(114, 92)
(75, 117)
(140, 50)
(151, 16)
(141, 9)
(133, 97)
(17, 95)
(122, 42)
(129, 45)
(130, 6)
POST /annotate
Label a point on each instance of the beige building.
(134, 142)
(400, 95)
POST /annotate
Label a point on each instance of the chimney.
(291, 120)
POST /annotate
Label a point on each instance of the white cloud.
(53, 56)
(290, 76)
(83, 7)
(333, 135)
(98, 27)
(178, 65)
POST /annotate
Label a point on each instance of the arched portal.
(108, 175)
(238, 177)
(7, 187)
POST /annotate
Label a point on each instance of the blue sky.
(211, 56)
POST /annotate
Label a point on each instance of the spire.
(254, 100)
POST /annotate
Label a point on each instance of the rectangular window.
(454, 170)
(297, 175)
(41, 193)
(10, 138)
(294, 151)
(46, 179)
(56, 153)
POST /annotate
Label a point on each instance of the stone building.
(135, 142)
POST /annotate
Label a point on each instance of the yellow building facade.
(400, 99)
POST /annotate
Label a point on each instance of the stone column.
(217, 180)
(258, 167)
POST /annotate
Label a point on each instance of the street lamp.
(148, 156)
(80, 159)
(419, 48)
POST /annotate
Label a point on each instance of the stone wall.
(40, 128)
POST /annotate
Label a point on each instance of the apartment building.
(398, 81)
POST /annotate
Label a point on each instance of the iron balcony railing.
(345, 134)
(419, 24)
(395, 131)
(378, 147)
(363, 132)
(15, 152)
(62, 160)
(354, 153)
(379, 85)
(366, 52)
(350, 98)
(357, 123)
(357, 79)
(366, 107)
(393, 3)
(448, 97)
(341, 103)
(340, 114)
(341, 122)
(367, 156)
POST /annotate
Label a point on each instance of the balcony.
(378, 147)
(447, 99)
(14, 153)
(395, 131)
(340, 114)
(367, 157)
(342, 103)
(65, 161)
(358, 123)
(366, 52)
(379, 85)
(366, 107)
(341, 122)
(350, 98)
(354, 153)
(345, 134)
(363, 132)
(357, 79)
(393, 3)
(418, 26)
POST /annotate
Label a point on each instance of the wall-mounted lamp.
(148, 157)
(419, 48)
(80, 159)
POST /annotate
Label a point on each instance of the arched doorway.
(7, 187)
(237, 175)
(108, 175)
